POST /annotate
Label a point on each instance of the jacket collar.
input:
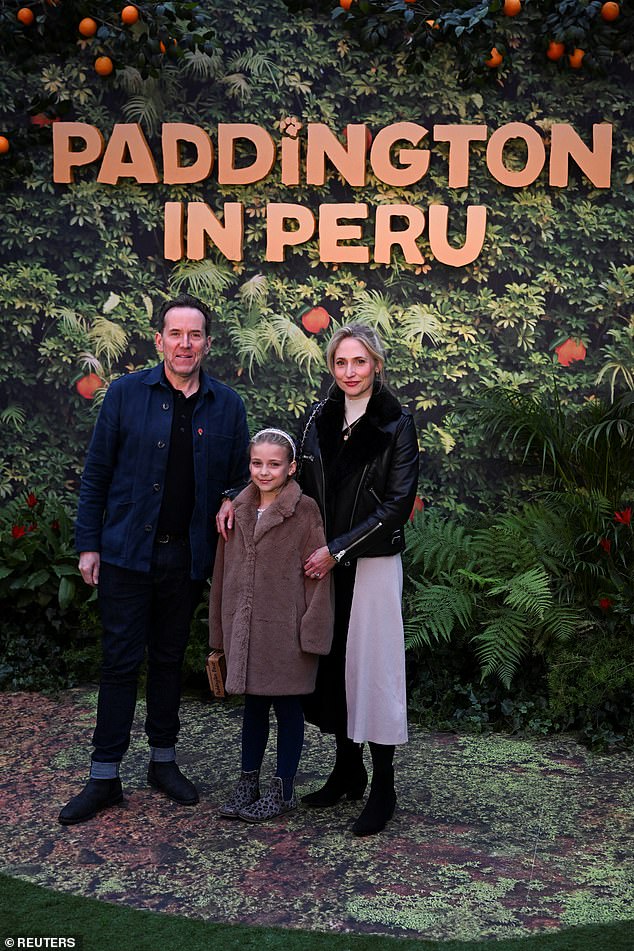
(156, 377)
(368, 438)
(383, 406)
(282, 508)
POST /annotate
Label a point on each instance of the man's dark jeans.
(140, 610)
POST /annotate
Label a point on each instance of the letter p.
(64, 158)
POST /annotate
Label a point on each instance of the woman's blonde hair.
(364, 334)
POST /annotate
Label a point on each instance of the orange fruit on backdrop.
(129, 15)
(88, 385)
(555, 50)
(87, 27)
(4, 145)
(610, 11)
(346, 4)
(495, 59)
(511, 8)
(104, 65)
(315, 319)
(576, 58)
(570, 351)
(26, 16)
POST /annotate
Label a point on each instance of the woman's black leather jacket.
(366, 486)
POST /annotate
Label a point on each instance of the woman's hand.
(319, 563)
(224, 518)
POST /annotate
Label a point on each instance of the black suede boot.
(381, 803)
(168, 778)
(348, 778)
(96, 795)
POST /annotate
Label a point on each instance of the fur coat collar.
(283, 507)
(368, 438)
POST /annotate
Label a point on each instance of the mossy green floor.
(494, 838)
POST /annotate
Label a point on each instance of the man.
(167, 442)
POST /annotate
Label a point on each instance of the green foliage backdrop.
(82, 265)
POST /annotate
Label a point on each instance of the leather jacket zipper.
(356, 498)
(342, 554)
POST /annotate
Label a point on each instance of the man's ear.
(158, 341)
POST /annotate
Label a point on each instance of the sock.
(103, 770)
(160, 754)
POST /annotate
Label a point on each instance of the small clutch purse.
(216, 666)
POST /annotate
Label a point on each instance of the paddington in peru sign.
(245, 153)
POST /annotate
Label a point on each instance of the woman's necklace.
(348, 427)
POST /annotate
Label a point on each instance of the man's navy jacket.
(124, 477)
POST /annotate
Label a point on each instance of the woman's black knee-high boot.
(381, 803)
(348, 778)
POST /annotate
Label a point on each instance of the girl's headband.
(278, 432)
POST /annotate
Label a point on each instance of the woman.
(359, 461)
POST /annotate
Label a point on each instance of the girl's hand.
(319, 563)
(224, 518)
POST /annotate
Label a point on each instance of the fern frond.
(203, 279)
(523, 420)
(144, 109)
(373, 308)
(257, 64)
(13, 415)
(72, 324)
(90, 363)
(439, 544)
(130, 80)
(250, 345)
(108, 338)
(562, 622)
(238, 86)
(528, 592)
(304, 350)
(615, 368)
(503, 550)
(254, 291)
(501, 645)
(201, 65)
(434, 612)
(418, 322)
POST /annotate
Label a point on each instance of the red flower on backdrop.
(18, 531)
(31, 500)
(605, 544)
(419, 505)
(605, 603)
(33, 526)
(41, 119)
(55, 526)
(570, 351)
(624, 517)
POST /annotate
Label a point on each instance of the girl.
(272, 620)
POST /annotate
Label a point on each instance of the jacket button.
(166, 405)
(156, 487)
(161, 444)
(148, 528)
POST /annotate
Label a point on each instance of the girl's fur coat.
(272, 621)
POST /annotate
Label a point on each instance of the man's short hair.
(183, 300)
